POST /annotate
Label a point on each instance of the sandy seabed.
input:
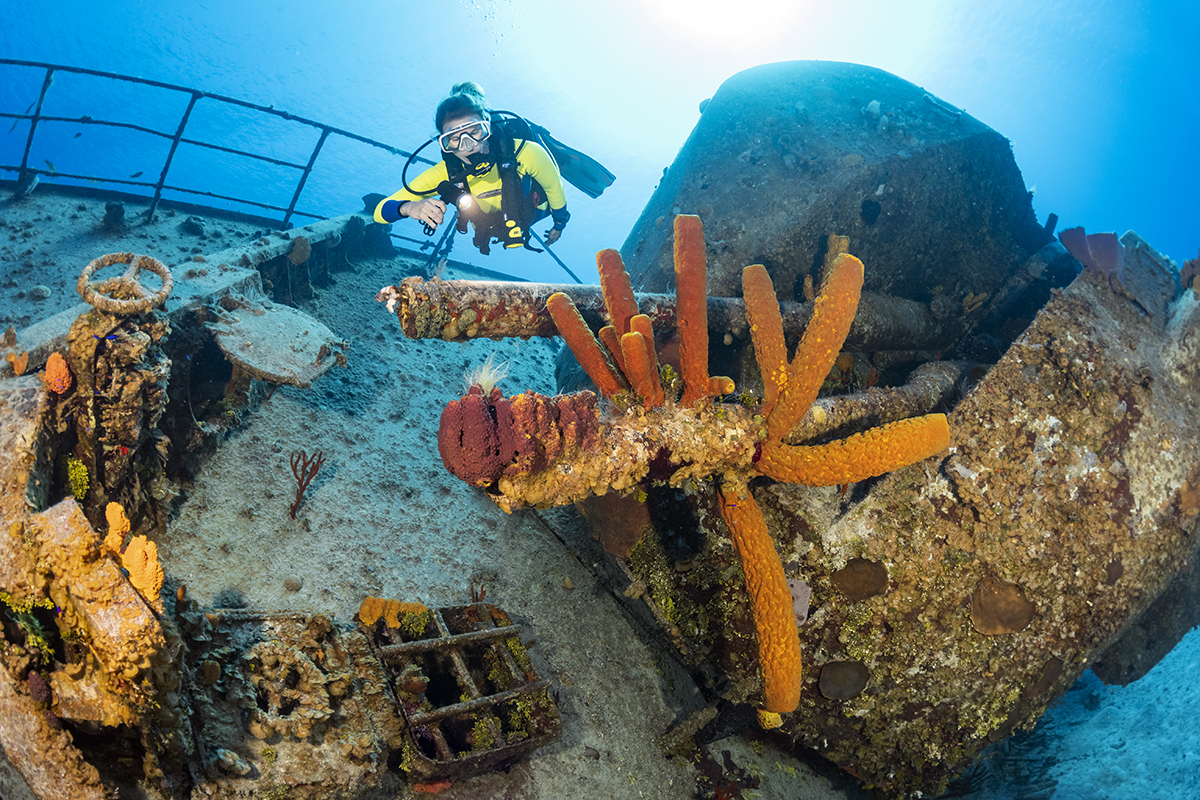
(385, 518)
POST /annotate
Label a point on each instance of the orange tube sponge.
(858, 457)
(617, 290)
(583, 344)
(833, 311)
(770, 598)
(639, 368)
(640, 323)
(834, 246)
(57, 376)
(691, 307)
(611, 340)
(766, 331)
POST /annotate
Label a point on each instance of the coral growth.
(652, 437)
(78, 478)
(38, 690)
(304, 468)
(301, 250)
(289, 696)
(139, 558)
(408, 617)
(19, 362)
(999, 607)
(1102, 253)
(57, 376)
(1187, 274)
(118, 527)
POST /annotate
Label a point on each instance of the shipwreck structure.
(1000, 476)
(110, 674)
(939, 607)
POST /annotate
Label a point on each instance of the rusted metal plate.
(272, 342)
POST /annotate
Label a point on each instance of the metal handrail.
(177, 137)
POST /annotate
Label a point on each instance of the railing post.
(312, 159)
(162, 178)
(47, 82)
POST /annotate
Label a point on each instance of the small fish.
(76, 136)
(136, 175)
(18, 119)
(50, 164)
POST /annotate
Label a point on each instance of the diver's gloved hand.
(561, 217)
(430, 211)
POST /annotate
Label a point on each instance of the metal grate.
(483, 704)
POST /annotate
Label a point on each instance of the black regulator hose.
(404, 173)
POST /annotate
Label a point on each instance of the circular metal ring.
(124, 295)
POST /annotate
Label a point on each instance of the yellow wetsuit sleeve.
(426, 182)
(533, 160)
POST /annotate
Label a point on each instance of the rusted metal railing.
(177, 137)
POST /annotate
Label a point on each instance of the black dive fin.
(578, 169)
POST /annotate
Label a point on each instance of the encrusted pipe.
(458, 311)
(928, 385)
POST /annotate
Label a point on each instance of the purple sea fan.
(1101, 253)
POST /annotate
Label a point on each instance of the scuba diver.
(500, 172)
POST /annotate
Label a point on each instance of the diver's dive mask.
(465, 136)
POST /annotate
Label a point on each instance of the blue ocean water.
(1099, 100)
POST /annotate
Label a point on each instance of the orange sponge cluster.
(621, 357)
(622, 354)
(789, 389)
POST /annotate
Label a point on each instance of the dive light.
(455, 194)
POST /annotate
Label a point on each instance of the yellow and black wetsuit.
(532, 162)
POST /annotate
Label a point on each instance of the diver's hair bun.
(464, 98)
(468, 87)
